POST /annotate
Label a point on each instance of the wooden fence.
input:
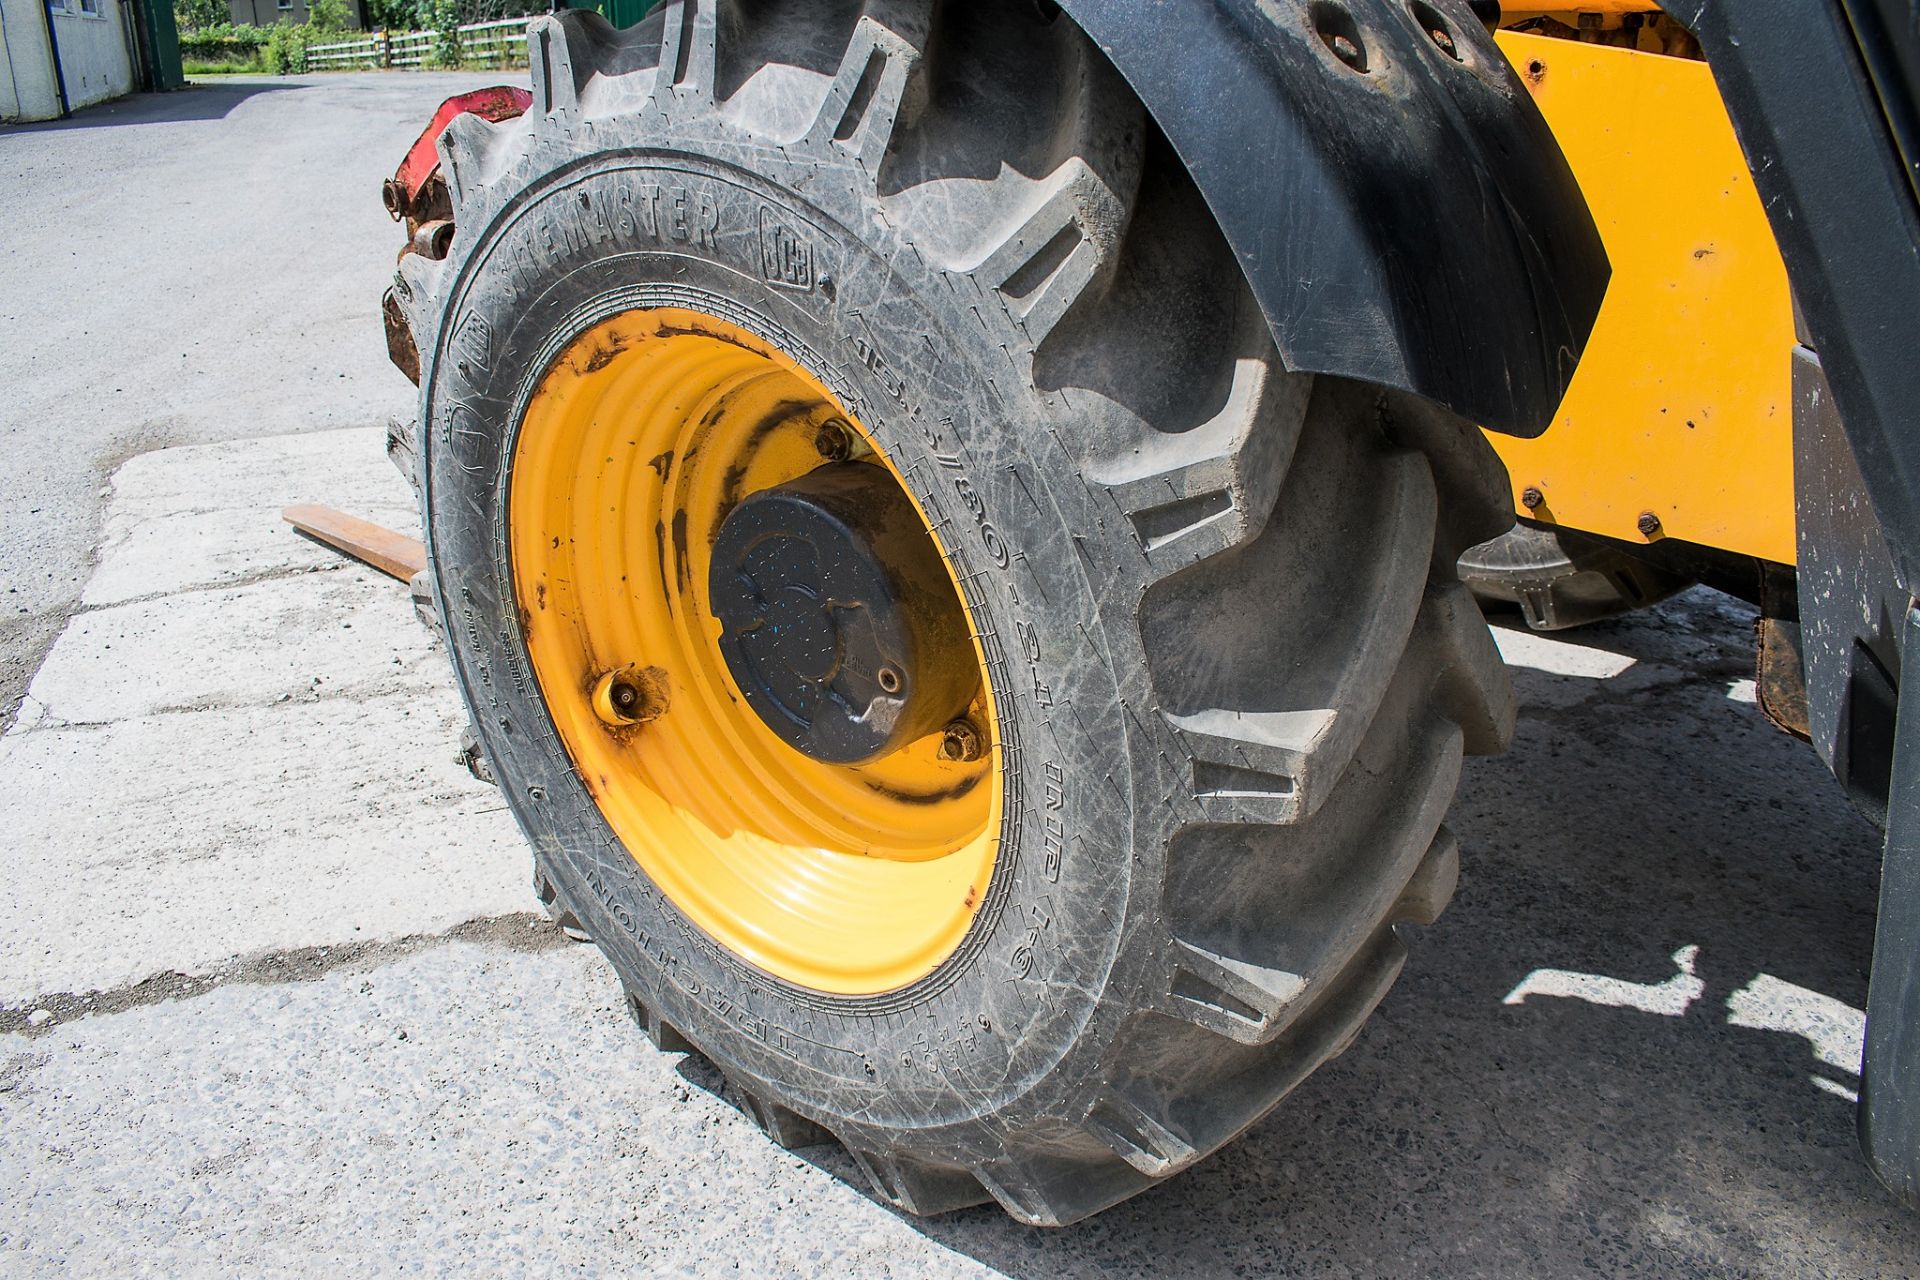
(481, 44)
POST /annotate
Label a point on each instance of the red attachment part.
(500, 102)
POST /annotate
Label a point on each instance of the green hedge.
(223, 66)
(223, 42)
(281, 48)
(287, 47)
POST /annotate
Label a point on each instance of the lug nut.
(1531, 498)
(1347, 51)
(960, 741)
(834, 440)
(1648, 524)
(630, 695)
(1445, 41)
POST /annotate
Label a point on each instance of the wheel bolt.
(630, 695)
(834, 441)
(960, 741)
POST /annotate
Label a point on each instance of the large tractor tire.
(973, 694)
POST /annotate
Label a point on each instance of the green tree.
(446, 33)
(198, 15)
(287, 49)
(327, 15)
(490, 10)
(394, 15)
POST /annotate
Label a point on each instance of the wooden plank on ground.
(385, 550)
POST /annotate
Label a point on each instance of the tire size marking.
(989, 534)
(1030, 649)
(1054, 830)
(990, 539)
(872, 361)
(517, 671)
(1025, 956)
(946, 1052)
(470, 623)
(728, 1007)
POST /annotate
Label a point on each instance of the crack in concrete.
(521, 931)
(278, 573)
(360, 693)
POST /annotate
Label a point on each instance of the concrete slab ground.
(274, 998)
(255, 754)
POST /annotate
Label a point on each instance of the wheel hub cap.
(830, 627)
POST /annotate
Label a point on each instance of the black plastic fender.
(1403, 213)
(1822, 97)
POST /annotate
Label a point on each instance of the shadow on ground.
(1483, 1123)
(200, 100)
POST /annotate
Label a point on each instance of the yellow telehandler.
(949, 516)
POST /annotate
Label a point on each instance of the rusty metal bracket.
(417, 194)
(1780, 678)
(402, 192)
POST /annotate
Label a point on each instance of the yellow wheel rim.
(642, 435)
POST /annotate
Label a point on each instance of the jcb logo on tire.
(785, 258)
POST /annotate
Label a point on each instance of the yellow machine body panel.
(1682, 404)
(1513, 15)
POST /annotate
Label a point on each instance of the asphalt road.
(273, 998)
(175, 269)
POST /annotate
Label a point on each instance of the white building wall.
(93, 51)
(9, 97)
(29, 90)
(94, 54)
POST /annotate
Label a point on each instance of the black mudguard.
(1825, 98)
(1412, 223)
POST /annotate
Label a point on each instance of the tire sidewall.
(905, 349)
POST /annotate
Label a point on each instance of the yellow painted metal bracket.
(1682, 405)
